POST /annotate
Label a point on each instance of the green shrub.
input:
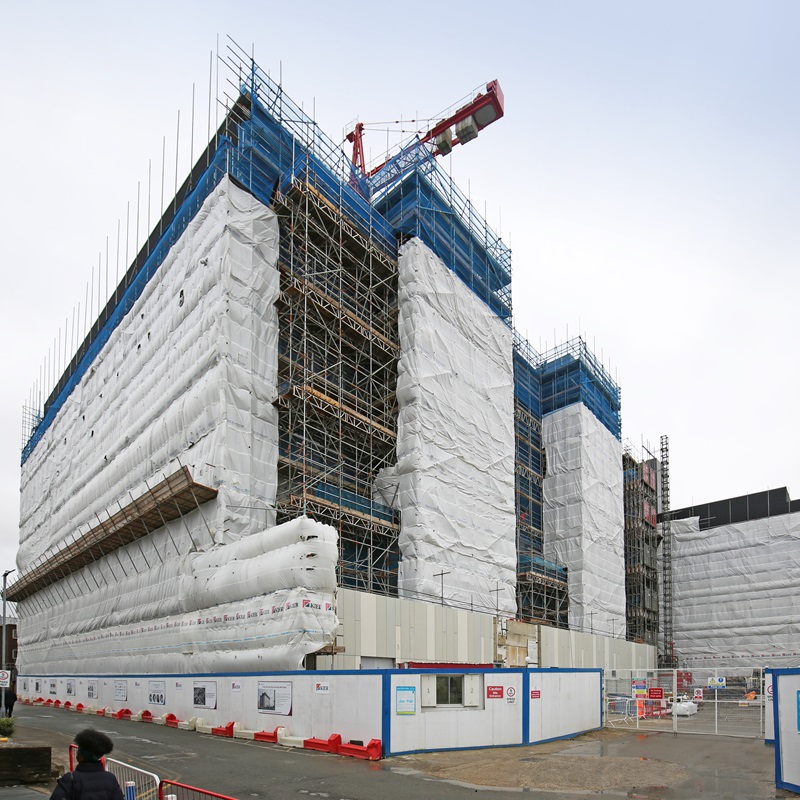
(6, 726)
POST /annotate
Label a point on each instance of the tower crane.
(484, 109)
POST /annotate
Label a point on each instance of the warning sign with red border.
(494, 692)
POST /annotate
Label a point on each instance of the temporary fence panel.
(308, 704)
(786, 691)
(451, 709)
(408, 710)
(687, 701)
(171, 790)
(769, 711)
(145, 784)
(446, 709)
(563, 702)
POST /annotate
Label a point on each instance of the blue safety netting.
(528, 457)
(530, 563)
(427, 204)
(576, 377)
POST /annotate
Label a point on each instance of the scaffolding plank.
(166, 501)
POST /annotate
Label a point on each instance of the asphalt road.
(245, 769)
(611, 763)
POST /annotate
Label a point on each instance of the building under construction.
(303, 337)
(641, 474)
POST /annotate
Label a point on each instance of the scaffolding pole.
(668, 656)
(337, 374)
(640, 500)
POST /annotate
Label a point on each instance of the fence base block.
(289, 741)
(329, 745)
(269, 736)
(371, 751)
(224, 730)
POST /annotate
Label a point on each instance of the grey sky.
(645, 177)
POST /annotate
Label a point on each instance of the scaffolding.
(337, 373)
(571, 373)
(173, 497)
(542, 593)
(429, 205)
(640, 498)
(338, 342)
(528, 461)
(667, 656)
(338, 311)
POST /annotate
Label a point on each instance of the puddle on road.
(651, 793)
(601, 748)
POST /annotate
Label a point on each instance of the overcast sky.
(645, 176)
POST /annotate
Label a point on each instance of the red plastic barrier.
(48, 702)
(68, 705)
(372, 751)
(101, 712)
(171, 721)
(329, 745)
(267, 736)
(224, 730)
(79, 707)
(123, 713)
(56, 704)
(147, 716)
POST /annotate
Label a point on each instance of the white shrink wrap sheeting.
(188, 377)
(261, 603)
(736, 593)
(584, 517)
(454, 482)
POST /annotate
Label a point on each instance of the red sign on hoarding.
(655, 693)
(535, 694)
(494, 692)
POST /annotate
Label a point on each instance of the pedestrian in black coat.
(9, 698)
(89, 780)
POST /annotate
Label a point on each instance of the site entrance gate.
(732, 703)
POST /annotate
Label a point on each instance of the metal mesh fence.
(684, 701)
(145, 783)
(138, 784)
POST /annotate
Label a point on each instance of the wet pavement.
(23, 793)
(635, 765)
(616, 763)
